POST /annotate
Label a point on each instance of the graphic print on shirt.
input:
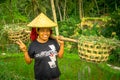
(52, 57)
(47, 52)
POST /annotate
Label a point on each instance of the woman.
(45, 51)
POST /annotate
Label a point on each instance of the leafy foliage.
(22, 11)
(95, 31)
(9, 13)
(68, 27)
(112, 26)
(114, 57)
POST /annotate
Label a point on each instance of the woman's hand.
(59, 39)
(24, 49)
(22, 45)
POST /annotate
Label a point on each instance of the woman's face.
(44, 34)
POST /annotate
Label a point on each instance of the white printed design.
(52, 57)
(52, 47)
(52, 62)
(47, 53)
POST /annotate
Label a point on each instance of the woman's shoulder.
(34, 42)
(53, 40)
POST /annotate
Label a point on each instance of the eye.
(41, 30)
(45, 30)
(48, 30)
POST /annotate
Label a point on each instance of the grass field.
(13, 67)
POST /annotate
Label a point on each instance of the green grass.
(73, 68)
(13, 67)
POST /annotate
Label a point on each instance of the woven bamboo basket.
(93, 49)
(17, 31)
(13, 36)
(90, 51)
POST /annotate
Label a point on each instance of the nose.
(46, 31)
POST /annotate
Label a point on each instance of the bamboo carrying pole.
(66, 39)
(61, 38)
(69, 39)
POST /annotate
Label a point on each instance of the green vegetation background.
(23, 11)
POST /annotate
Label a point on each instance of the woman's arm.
(27, 57)
(61, 51)
(25, 51)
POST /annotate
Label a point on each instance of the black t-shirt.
(45, 54)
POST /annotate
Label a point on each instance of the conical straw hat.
(42, 21)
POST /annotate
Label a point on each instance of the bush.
(114, 57)
(68, 28)
(112, 26)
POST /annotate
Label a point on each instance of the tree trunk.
(54, 15)
(80, 9)
(64, 10)
(97, 7)
(57, 4)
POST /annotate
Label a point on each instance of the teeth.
(45, 36)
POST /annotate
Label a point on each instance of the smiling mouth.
(45, 36)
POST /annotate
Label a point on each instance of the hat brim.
(42, 21)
